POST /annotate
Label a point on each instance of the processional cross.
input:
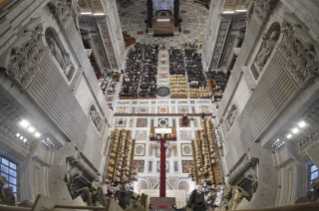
(163, 135)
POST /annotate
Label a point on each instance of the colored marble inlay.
(141, 122)
(140, 135)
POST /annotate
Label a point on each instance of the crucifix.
(163, 135)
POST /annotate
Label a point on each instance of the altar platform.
(178, 195)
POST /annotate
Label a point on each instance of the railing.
(43, 203)
(311, 206)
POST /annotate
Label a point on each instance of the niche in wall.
(59, 52)
(268, 44)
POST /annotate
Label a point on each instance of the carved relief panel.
(24, 59)
(297, 48)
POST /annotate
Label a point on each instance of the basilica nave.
(143, 105)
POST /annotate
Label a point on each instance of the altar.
(163, 18)
(163, 25)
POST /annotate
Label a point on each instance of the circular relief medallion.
(163, 91)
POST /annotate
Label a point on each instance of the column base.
(176, 31)
(150, 32)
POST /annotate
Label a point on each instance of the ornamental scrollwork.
(24, 60)
(262, 9)
(62, 11)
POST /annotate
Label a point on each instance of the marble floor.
(192, 28)
(139, 115)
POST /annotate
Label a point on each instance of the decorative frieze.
(108, 43)
(25, 59)
(228, 49)
(219, 43)
(99, 48)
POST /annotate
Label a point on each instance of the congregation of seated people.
(220, 77)
(194, 68)
(141, 67)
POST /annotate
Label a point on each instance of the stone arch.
(268, 44)
(163, 13)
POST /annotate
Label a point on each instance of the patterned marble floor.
(193, 25)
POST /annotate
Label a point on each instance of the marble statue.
(76, 10)
(251, 175)
(311, 196)
(62, 11)
(8, 198)
(96, 118)
(3, 182)
(57, 53)
(267, 46)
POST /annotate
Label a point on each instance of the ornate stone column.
(94, 51)
(176, 17)
(150, 17)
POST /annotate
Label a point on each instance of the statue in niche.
(76, 9)
(57, 52)
(67, 60)
(96, 118)
(231, 117)
(267, 46)
(251, 175)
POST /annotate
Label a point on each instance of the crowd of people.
(189, 61)
(176, 59)
(141, 68)
(220, 77)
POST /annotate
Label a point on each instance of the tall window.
(9, 171)
(313, 173)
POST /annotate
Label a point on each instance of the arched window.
(59, 52)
